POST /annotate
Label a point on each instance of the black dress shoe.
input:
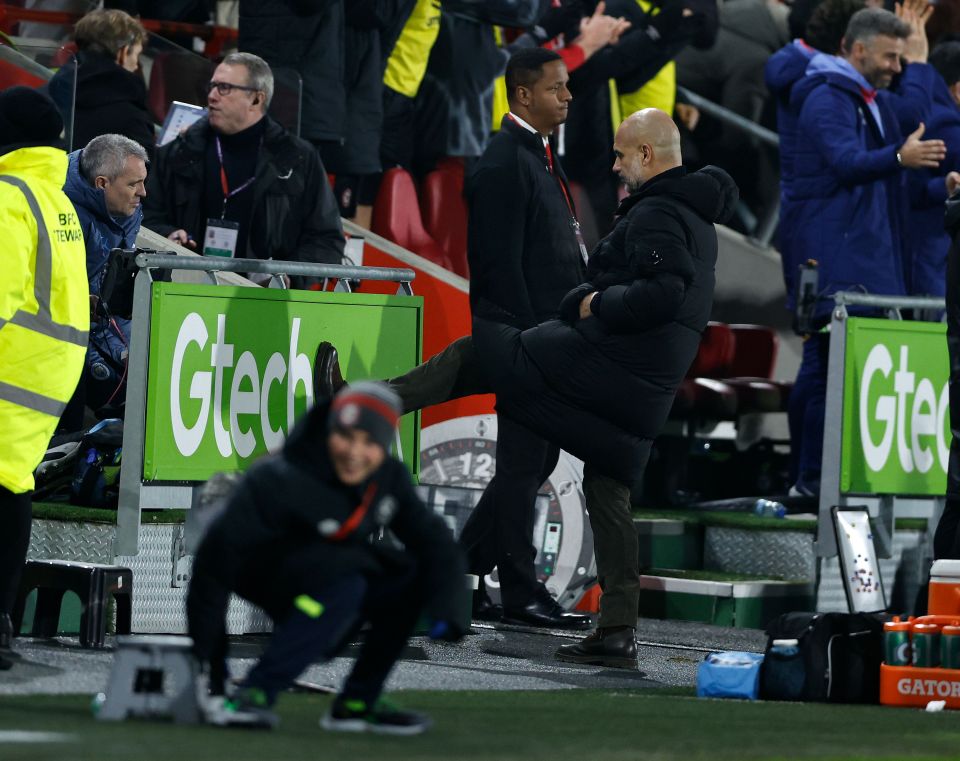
(546, 613)
(485, 609)
(6, 632)
(327, 379)
(616, 648)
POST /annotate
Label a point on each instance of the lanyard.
(560, 182)
(566, 195)
(224, 185)
(356, 517)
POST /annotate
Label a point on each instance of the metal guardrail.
(852, 298)
(766, 228)
(726, 115)
(343, 274)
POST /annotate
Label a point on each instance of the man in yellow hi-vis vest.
(44, 315)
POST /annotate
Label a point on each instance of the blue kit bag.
(729, 674)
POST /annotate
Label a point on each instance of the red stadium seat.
(64, 54)
(12, 75)
(445, 214)
(702, 395)
(755, 352)
(396, 217)
(751, 370)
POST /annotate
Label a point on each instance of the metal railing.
(766, 228)
(345, 275)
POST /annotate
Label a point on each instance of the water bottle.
(768, 508)
(784, 671)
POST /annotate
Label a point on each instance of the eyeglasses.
(225, 88)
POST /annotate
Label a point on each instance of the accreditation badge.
(221, 238)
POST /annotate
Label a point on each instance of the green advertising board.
(896, 417)
(231, 368)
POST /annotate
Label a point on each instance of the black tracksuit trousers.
(313, 620)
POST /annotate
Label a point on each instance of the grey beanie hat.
(371, 406)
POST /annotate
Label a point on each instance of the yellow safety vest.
(407, 64)
(44, 307)
(658, 92)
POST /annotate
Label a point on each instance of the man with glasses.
(237, 184)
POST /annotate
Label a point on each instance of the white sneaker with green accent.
(247, 708)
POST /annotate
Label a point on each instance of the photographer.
(105, 182)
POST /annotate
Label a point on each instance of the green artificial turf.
(580, 725)
(705, 575)
(61, 511)
(751, 522)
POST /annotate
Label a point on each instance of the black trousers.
(499, 531)
(313, 620)
(16, 514)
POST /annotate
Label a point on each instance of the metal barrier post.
(830, 484)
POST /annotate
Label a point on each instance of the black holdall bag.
(839, 654)
(119, 275)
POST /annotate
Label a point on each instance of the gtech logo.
(912, 412)
(247, 396)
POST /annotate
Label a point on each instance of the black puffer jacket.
(655, 277)
(602, 387)
(109, 99)
(295, 216)
(308, 37)
(281, 513)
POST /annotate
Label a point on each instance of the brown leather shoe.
(327, 379)
(615, 647)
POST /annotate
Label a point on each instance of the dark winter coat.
(295, 216)
(455, 101)
(307, 36)
(109, 99)
(927, 242)
(850, 189)
(602, 387)
(279, 519)
(109, 339)
(521, 246)
(952, 224)
(783, 70)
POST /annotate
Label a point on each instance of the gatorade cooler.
(944, 595)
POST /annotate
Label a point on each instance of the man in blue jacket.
(784, 69)
(929, 188)
(850, 188)
(105, 182)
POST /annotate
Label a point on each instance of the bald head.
(647, 143)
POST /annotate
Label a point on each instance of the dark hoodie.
(597, 385)
(276, 525)
(109, 99)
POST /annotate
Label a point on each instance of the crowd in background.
(412, 82)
